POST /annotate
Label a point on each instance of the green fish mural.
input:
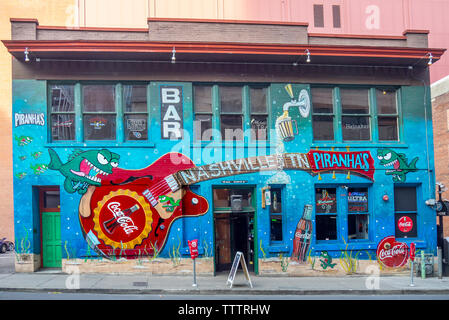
(398, 162)
(84, 168)
(23, 140)
(21, 175)
(39, 168)
(36, 154)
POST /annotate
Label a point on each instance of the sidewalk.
(45, 281)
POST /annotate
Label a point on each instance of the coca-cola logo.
(125, 222)
(405, 224)
(302, 235)
(391, 253)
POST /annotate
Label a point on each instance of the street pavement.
(147, 283)
(45, 281)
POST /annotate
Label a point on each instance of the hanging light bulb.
(26, 52)
(430, 59)
(308, 55)
(173, 57)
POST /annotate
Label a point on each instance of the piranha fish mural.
(399, 163)
(84, 168)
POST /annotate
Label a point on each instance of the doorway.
(234, 224)
(50, 213)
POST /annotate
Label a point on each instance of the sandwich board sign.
(239, 258)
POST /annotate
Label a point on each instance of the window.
(203, 112)
(387, 115)
(276, 214)
(318, 15)
(323, 114)
(326, 213)
(342, 212)
(355, 114)
(231, 115)
(405, 212)
(358, 216)
(97, 106)
(135, 112)
(259, 113)
(62, 112)
(355, 119)
(336, 16)
(99, 114)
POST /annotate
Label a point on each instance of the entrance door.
(50, 227)
(234, 229)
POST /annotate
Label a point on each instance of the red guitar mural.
(132, 211)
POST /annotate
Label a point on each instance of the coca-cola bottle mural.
(121, 218)
(303, 233)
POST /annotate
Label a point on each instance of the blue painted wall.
(30, 96)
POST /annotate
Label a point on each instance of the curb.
(233, 291)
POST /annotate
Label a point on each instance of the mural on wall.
(84, 168)
(326, 260)
(314, 162)
(133, 210)
(398, 162)
(392, 253)
(303, 235)
(284, 123)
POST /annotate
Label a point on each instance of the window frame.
(195, 113)
(416, 212)
(368, 115)
(246, 114)
(123, 113)
(333, 114)
(281, 214)
(342, 214)
(242, 113)
(120, 112)
(373, 116)
(388, 115)
(251, 113)
(50, 113)
(117, 100)
(367, 213)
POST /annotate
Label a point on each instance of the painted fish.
(399, 162)
(84, 168)
(39, 168)
(36, 154)
(20, 175)
(23, 140)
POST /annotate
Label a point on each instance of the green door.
(51, 227)
(51, 239)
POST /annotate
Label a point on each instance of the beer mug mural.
(284, 123)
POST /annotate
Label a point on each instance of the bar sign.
(171, 112)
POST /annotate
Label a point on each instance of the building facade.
(337, 18)
(249, 136)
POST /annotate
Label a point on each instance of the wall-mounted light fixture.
(26, 52)
(308, 55)
(430, 59)
(173, 56)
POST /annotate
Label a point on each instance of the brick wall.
(440, 111)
